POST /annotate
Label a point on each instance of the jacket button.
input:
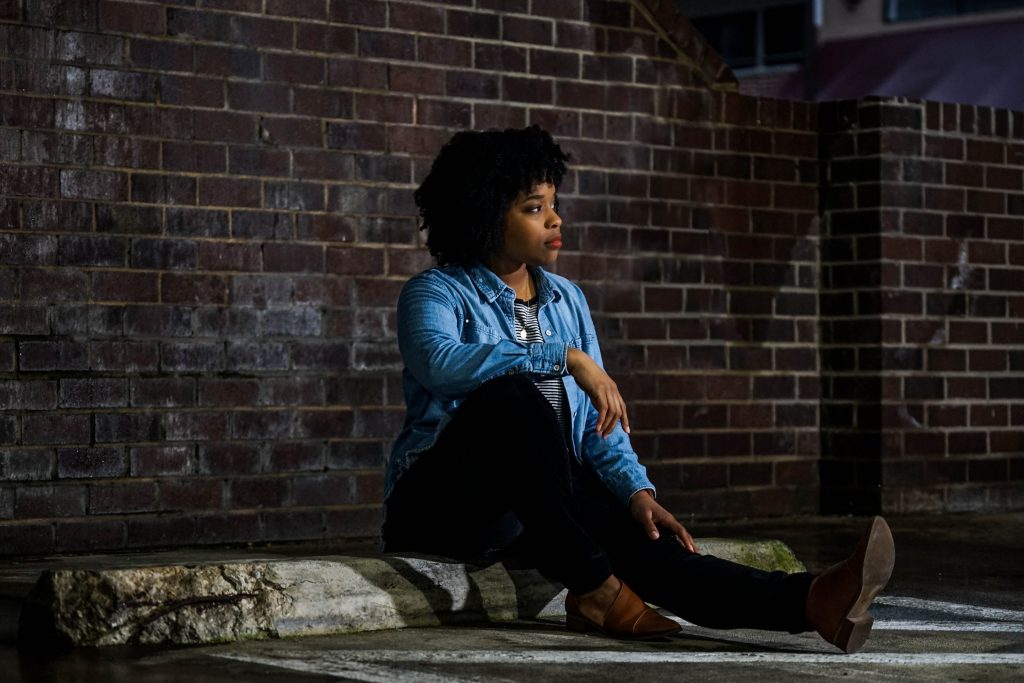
(556, 366)
(548, 333)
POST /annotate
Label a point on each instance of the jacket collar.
(491, 286)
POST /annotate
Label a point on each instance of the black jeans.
(502, 467)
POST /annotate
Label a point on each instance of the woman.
(516, 444)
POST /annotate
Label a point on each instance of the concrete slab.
(117, 600)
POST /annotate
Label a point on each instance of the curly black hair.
(472, 182)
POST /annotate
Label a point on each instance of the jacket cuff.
(548, 358)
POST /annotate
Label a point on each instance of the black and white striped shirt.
(528, 330)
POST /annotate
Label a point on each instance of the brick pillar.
(922, 208)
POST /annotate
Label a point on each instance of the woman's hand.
(649, 513)
(601, 389)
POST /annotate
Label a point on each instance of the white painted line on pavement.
(346, 668)
(959, 626)
(329, 661)
(974, 611)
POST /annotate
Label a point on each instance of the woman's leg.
(502, 452)
(702, 589)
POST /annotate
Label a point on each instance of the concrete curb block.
(238, 600)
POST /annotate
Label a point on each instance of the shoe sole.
(584, 625)
(878, 563)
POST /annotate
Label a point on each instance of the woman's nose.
(554, 219)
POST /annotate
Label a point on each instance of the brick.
(258, 492)
(317, 102)
(63, 149)
(356, 73)
(193, 289)
(257, 161)
(192, 91)
(521, 30)
(257, 356)
(262, 425)
(122, 497)
(323, 38)
(294, 196)
(78, 536)
(244, 30)
(296, 457)
(217, 192)
(473, 24)
(162, 55)
(125, 286)
(261, 290)
(52, 355)
(162, 460)
(122, 85)
(384, 108)
(94, 185)
(431, 50)
(164, 530)
(323, 164)
(224, 126)
(27, 42)
(24, 250)
(293, 258)
(228, 392)
(163, 391)
(292, 131)
(195, 426)
(26, 464)
(227, 61)
(363, 13)
(93, 393)
(164, 254)
(56, 429)
(227, 528)
(386, 45)
(91, 463)
(190, 495)
(163, 189)
(21, 319)
(126, 427)
(356, 136)
(49, 501)
(194, 157)
(90, 48)
(292, 525)
(229, 256)
(33, 182)
(51, 285)
(28, 394)
(192, 357)
(38, 536)
(229, 459)
(129, 219)
(324, 489)
(291, 68)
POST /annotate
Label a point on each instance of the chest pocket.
(474, 332)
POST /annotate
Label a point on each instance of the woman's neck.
(519, 280)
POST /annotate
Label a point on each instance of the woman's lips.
(554, 244)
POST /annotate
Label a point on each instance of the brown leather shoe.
(838, 601)
(628, 618)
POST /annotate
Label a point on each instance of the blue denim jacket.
(456, 331)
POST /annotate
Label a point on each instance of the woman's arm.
(430, 343)
(602, 390)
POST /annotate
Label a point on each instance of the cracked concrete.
(247, 599)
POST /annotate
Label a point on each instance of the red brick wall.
(206, 215)
(922, 307)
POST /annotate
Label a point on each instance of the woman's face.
(533, 230)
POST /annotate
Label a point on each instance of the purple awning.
(970, 64)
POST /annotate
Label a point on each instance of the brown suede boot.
(838, 601)
(628, 618)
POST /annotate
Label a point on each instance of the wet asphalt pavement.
(954, 610)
